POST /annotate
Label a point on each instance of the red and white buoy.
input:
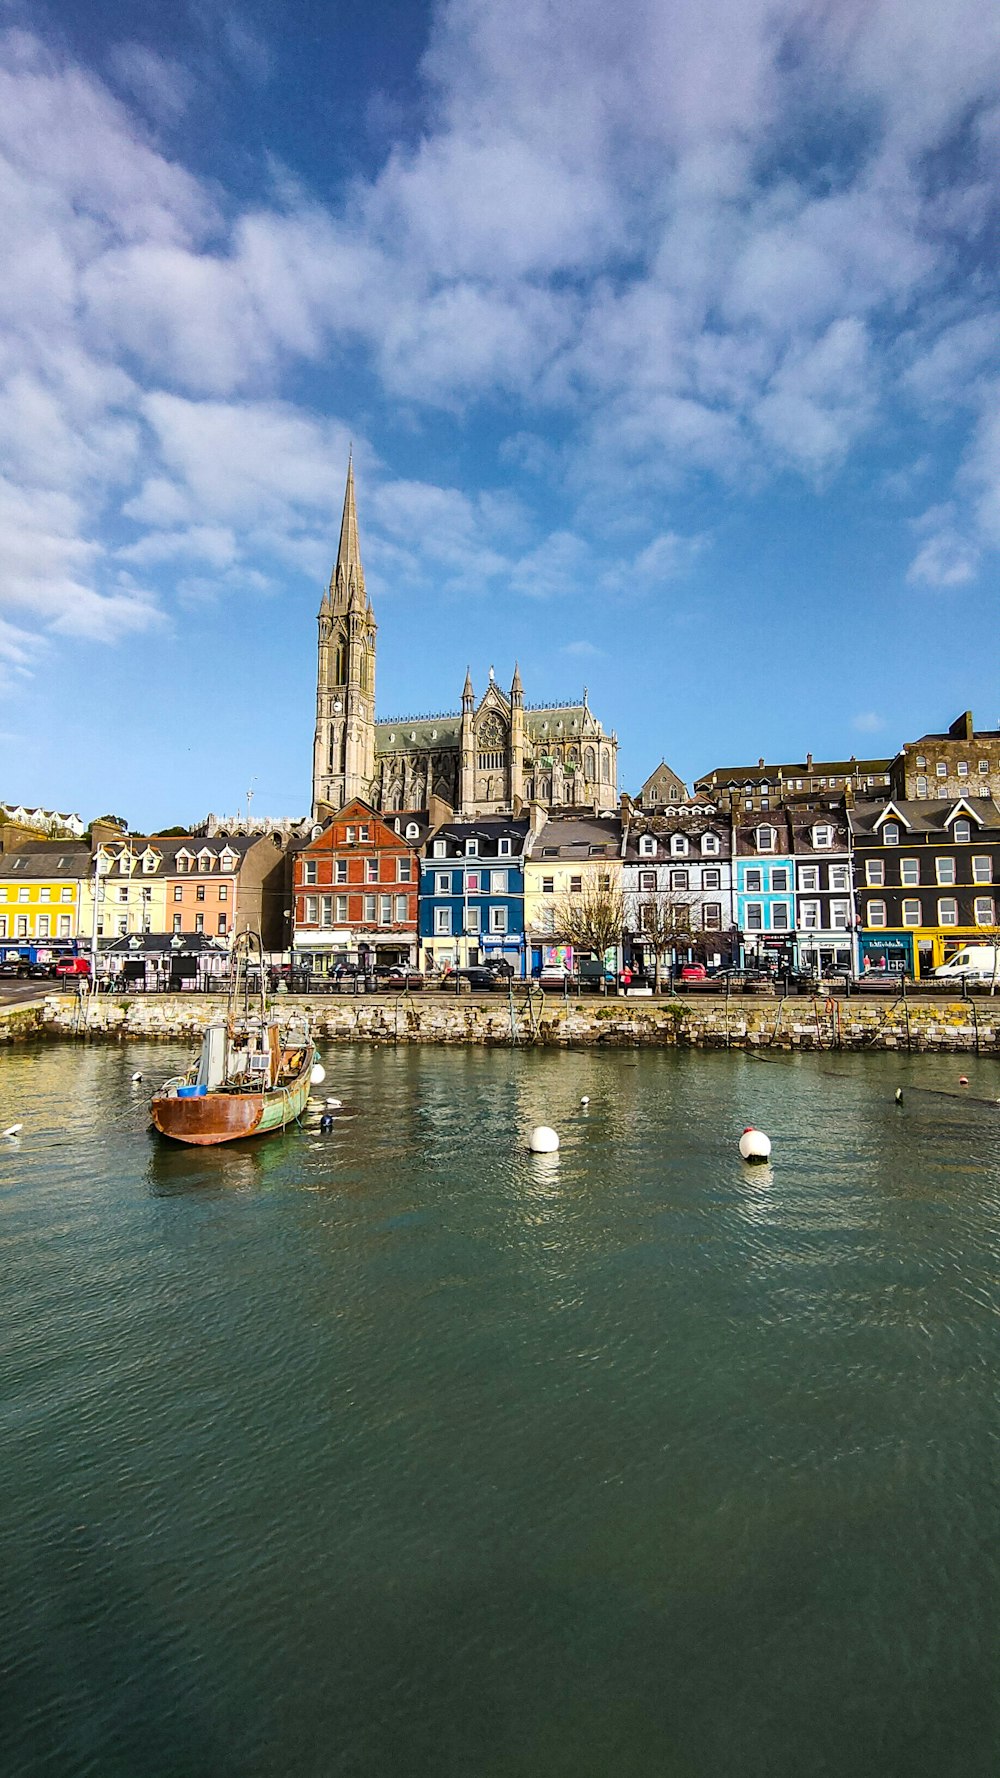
(755, 1147)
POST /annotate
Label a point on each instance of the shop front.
(886, 953)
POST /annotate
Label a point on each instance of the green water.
(394, 1450)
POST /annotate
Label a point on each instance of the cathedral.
(490, 757)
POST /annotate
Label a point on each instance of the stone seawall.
(705, 1023)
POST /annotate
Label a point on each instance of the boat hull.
(229, 1117)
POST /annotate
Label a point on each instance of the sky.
(667, 337)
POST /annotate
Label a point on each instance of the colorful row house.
(926, 873)
(40, 898)
(572, 860)
(677, 883)
(356, 889)
(472, 901)
(764, 891)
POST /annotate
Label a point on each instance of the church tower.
(344, 750)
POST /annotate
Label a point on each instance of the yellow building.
(40, 895)
(132, 889)
(571, 856)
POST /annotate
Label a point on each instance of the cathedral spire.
(516, 688)
(347, 582)
(468, 695)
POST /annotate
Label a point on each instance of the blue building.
(764, 884)
(472, 894)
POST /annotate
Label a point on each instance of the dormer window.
(710, 844)
(228, 861)
(962, 832)
(412, 830)
(472, 848)
(765, 839)
(822, 836)
(149, 863)
(503, 849)
(890, 834)
(647, 846)
(440, 849)
(679, 845)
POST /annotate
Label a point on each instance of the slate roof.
(573, 838)
(923, 816)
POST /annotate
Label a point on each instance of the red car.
(73, 966)
(693, 972)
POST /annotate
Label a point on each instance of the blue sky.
(667, 336)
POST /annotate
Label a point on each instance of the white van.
(977, 963)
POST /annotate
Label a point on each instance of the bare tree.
(663, 920)
(593, 919)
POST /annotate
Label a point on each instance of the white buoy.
(136, 1077)
(584, 1100)
(899, 1095)
(335, 1104)
(543, 1140)
(15, 1130)
(754, 1145)
(317, 1074)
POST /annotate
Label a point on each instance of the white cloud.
(868, 722)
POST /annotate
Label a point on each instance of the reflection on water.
(392, 1447)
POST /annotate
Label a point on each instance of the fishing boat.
(254, 1070)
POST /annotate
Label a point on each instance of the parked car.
(395, 977)
(475, 978)
(693, 972)
(78, 966)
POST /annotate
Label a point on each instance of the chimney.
(809, 762)
(760, 765)
(962, 728)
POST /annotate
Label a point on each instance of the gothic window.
(491, 743)
(605, 769)
(338, 665)
(588, 764)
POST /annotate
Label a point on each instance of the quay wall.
(705, 1023)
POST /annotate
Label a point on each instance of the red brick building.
(356, 887)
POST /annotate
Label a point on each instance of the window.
(945, 869)
(678, 879)
(984, 766)
(822, 836)
(442, 882)
(22, 925)
(412, 831)
(809, 876)
(710, 845)
(401, 909)
(178, 891)
(472, 848)
(947, 911)
(498, 919)
(647, 846)
(43, 926)
(326, 911)
(439, 848)
(839, 877)
(754, 882)
(199, 893)
(503, 849)
(310, 869)
(711, 916)
(779, 917)
(473, 921)
(711, 879)
(909, 872)
(368, 903)
(984, 910)
(64, 926)
(340, 909)
(548, 885)
(840, 915)
(66, 892)
(122, 894)
(875, 871)
(177, 922)
(961, 832)
(963, 768)
(498, 881)
(371, 870)
(340, 870)
(942, 768)
(911, 913)
(809, 915)
(921, 761)
(3, 926)
(385, 910)
(921, 786)
(199, 922)
(222, 925)
(45, 894)
(364, 833)
(474, 882)
(982, 870)
(876, 913)
(679, 845)
(890, 834)
(442, 922)
(755, 917)
(765, 839)
(223, 891)
(576, 885)
(24, 894)
(403, 870)
(779, 879)
(312, 910)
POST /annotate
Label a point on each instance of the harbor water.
(394, 1449)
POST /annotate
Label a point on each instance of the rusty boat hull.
(230, 1114)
